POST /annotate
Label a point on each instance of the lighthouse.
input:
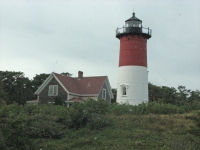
(132, 84)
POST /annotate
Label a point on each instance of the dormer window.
(53, 90)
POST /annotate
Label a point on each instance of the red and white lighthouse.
(132, 85)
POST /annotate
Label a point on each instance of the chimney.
(80, 74)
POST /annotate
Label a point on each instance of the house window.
(104, 94)
(53, 90)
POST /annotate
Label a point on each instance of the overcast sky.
(71, 35)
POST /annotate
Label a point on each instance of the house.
(74, 89)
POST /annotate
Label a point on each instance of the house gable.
(108, 91)
(50, 77)
(44, 96)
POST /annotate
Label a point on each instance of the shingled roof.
(84, 85)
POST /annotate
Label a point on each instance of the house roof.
(133, 18)
(84, 85)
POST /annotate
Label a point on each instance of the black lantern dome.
(133, 26)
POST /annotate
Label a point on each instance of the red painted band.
(133, 51)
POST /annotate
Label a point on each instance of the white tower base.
(132, 86)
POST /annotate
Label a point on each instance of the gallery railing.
(137, 30)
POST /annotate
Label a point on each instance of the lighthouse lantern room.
(132, 85)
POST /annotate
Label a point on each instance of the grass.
(131, 132)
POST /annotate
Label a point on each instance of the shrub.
(196, 118)
(82, 114)
(92, 106)
(44, 127)
(58, 100)
(20, 124)
(120, 109)
(97, 121)
(2, 141)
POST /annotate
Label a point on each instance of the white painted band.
(135, 78)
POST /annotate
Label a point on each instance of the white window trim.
(103, 93)
(53, 92)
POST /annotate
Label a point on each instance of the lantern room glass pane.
(133, 24)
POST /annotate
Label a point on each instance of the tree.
(17, 87)
(194, 96)
(67, 74)
(154, 92)
(169, 94)
(2, 92)
(38, 80)
(183, 94)
(163, 93)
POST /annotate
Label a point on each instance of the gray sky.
(68, 36)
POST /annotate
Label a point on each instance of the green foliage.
(82, 114)
(20, 124)
(170, 95)
(196, 118)
(98, 125)
(38, 80)
(121, 109)
(154, 108)
(2, 92)
(97, 121)
(66, 74)
(2, 141)
(16, 87)
(44, 127)
(58, 100)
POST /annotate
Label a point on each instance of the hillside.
(98, 125)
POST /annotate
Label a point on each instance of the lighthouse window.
(136, 24)
(124, 90)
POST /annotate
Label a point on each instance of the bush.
(20, 124)
(120, 109)
(161, 108)
(58, 100)
(82, 114)
(196, 117)
(97, 121)
(44, 127)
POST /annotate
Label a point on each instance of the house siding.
(43, 95)
(108, 98)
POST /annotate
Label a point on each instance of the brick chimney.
(80, 74)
